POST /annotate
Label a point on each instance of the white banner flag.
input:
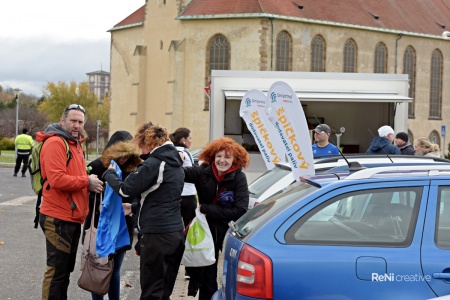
(253, 106)
(285, 112)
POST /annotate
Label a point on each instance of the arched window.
(436, 85)
(435, 138)
(410, 137)
(283, 53)
(350, 54)
(380, 64)
(409, 67)
(317, 54)
(218, 58)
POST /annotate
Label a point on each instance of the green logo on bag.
(196, 234)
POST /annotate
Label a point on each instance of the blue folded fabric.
(226, 199)
(112, 232)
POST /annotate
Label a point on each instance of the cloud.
(29, 64)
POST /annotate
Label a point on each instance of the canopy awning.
(333, 96)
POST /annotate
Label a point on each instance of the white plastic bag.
(199, 246)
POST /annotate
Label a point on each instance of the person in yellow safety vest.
(24, 143)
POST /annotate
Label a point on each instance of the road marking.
(19, 201)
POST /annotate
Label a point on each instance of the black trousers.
(21, 158)
(62, 239)
(206, 277)
(160, 260)
(188, 206)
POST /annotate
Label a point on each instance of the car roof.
(393, 172)
(363, 159)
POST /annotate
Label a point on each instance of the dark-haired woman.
(182, 139)
(120, 149)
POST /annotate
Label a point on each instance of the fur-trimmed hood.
(119, 150)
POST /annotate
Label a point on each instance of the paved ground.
(22, 250)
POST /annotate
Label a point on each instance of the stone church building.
(162, 54)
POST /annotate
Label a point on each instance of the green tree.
(60, 95)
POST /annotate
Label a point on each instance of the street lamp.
(17, 92)
(98, 127)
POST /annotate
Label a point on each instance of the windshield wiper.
(233, 228)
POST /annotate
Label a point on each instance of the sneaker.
(15, 175)
(23, 175)
(186, 275)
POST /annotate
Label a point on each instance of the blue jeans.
(114, 286)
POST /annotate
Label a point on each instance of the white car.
(281, 176)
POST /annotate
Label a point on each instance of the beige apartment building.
(162, 54)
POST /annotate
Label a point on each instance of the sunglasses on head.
(75, 106)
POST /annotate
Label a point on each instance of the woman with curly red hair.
(222, 192)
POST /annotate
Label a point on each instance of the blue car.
(378, 233)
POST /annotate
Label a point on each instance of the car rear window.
(267, 209)
(268, 179)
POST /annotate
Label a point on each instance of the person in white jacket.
(182, 139)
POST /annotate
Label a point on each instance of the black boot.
(23, 175)
(15, 175)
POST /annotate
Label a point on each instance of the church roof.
(429, 17)
(135, 19)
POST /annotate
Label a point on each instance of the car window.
(442, 236)
(262, 183)
(383, 217)
(267, 209)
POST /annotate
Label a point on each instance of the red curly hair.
(241, 159)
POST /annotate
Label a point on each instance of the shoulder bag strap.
(92, 221)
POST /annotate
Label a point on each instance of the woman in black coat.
(120, 149)
(223, 196)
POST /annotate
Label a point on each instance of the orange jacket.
(67, 197)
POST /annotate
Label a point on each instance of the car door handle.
(441, 275)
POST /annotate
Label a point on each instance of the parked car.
(281, 176)
(378, 233)
(195, 154)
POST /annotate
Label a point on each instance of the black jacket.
(207, 187)
(98, 169)
(407, 149)
(158, 182)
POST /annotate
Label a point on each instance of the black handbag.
(95, 274)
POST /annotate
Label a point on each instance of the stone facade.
(159, 70)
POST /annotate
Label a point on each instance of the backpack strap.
(69, 157)
(69, 153)
(38, 205)
(189, 155)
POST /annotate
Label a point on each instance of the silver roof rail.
(368, 173)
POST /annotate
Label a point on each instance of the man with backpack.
(65, 197)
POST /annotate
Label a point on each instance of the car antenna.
(385, 152)
(352, 166)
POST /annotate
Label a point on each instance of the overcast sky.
(56, 40)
